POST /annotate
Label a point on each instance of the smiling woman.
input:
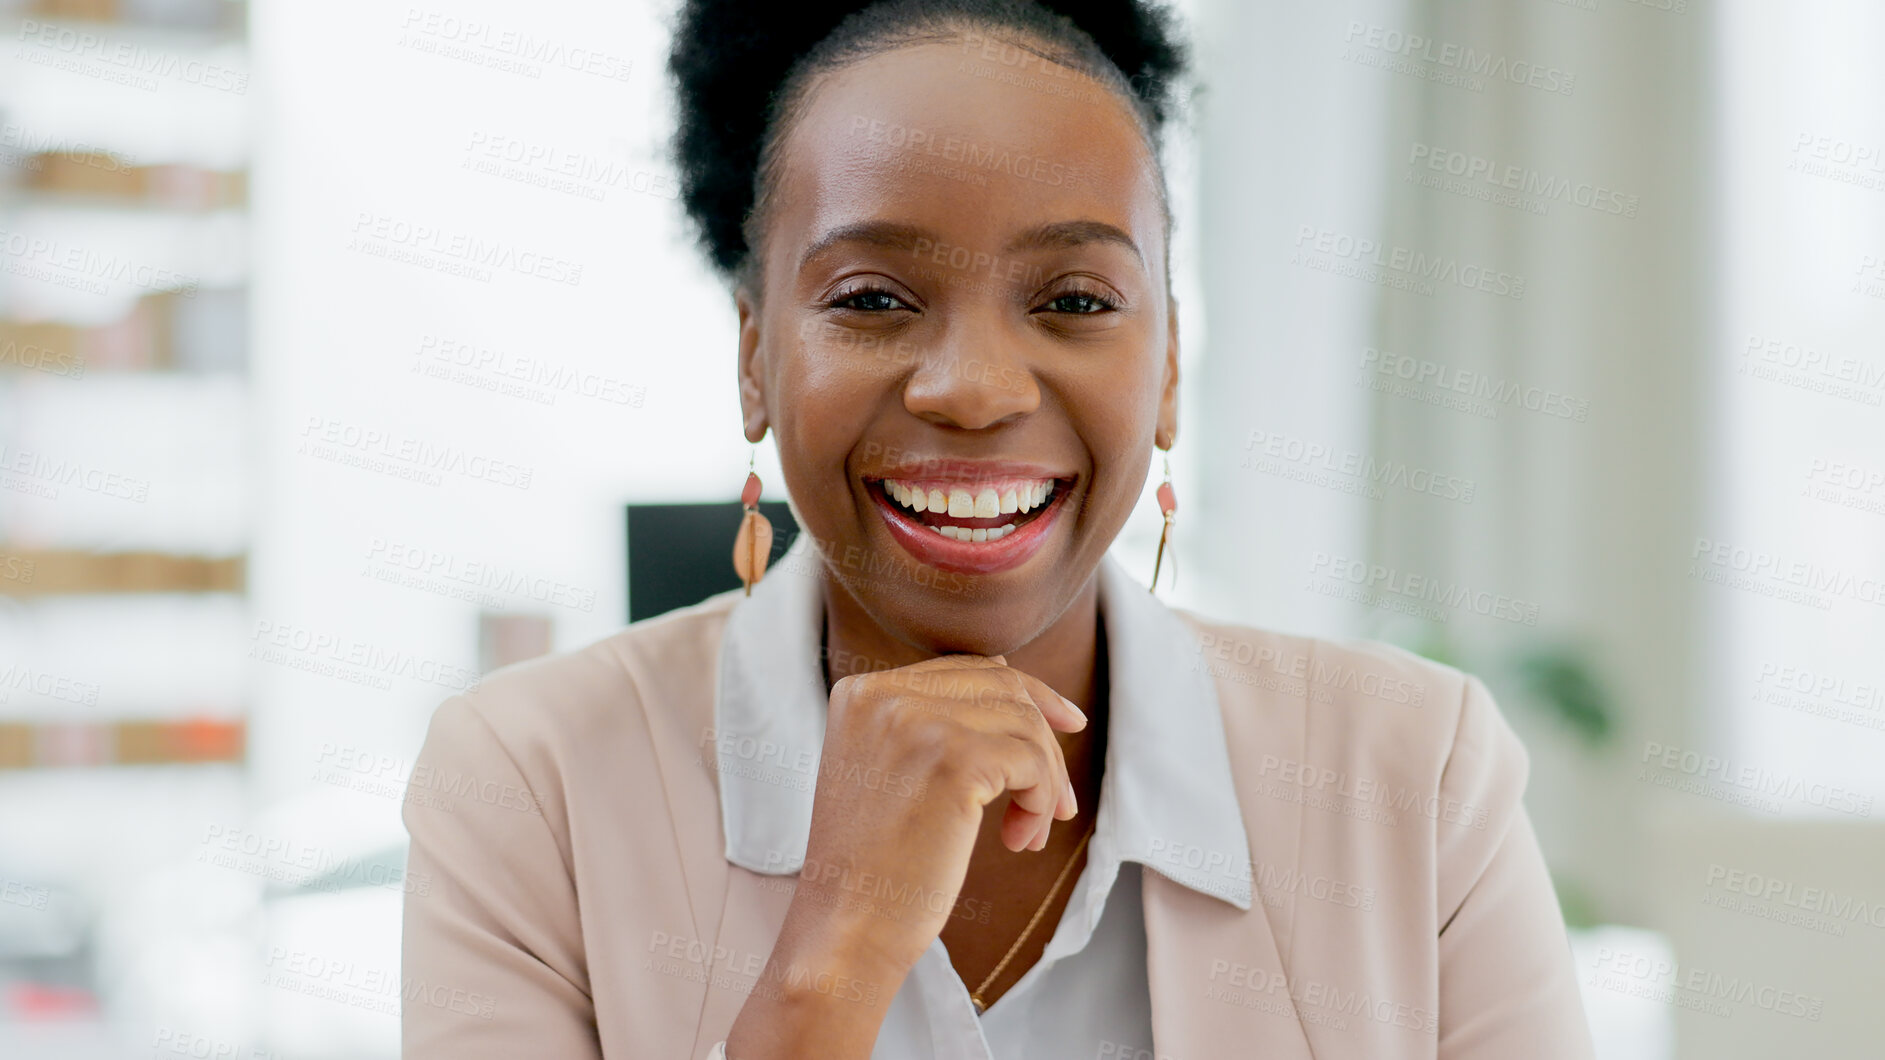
(949, 784)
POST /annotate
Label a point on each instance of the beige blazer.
(581, 903)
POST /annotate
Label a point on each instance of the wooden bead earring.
(753, 545)
(1168, 506)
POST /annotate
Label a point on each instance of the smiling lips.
(972, 523)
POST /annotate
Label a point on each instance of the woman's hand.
(912, 757)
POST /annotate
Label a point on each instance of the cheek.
(822, 403)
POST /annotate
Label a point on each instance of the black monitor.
(680, 554)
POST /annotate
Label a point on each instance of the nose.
(973, 381)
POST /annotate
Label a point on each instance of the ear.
(1167, 430)
(752, 367)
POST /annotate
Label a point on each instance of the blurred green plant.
(1555, 676)
(1563, 680)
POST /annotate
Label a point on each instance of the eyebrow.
(896, 236)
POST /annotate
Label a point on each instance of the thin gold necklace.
(975, 997)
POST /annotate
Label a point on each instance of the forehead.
(972, 141)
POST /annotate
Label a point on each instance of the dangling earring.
(753, 545)
(1167, 504)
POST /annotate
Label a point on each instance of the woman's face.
(965, 325)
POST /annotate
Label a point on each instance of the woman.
(949, 783)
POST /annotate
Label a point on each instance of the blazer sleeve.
(1508, 982)
(490, 915)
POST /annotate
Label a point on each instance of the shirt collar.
(1167, 781)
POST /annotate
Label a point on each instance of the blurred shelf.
(222, 16)
(195, 331)
(96, 178)
(141, 742)
(47, 572)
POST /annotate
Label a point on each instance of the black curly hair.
(741, 68)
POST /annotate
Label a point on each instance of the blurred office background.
(1546, 337)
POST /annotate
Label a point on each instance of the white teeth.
(988, 504)
(963, 533)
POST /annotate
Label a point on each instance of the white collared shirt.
(1166, 798)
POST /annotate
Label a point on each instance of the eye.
(868, 300)
(1077, 302)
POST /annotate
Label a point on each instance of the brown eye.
(869, 301)
(1078, 302)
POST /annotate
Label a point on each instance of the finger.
(1020, 830)
(1059, 711)
(1031, 775)
(1066, 804)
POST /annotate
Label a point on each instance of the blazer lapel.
(1218, 984)
(1219, 976)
